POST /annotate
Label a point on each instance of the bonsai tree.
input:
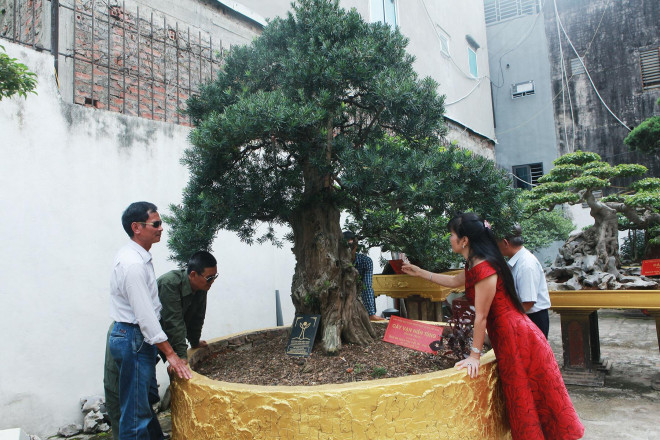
(646, 136)
(15, 78)
(575, 178)
(322, 113)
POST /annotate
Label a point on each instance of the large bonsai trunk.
(325, 281)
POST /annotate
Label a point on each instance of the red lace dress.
(537, 403)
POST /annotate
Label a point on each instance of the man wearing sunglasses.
(182, 293)
(136, 335)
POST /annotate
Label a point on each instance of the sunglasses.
(155, 224)
(211, 278)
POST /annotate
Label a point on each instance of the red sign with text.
(650, 267)
(412, 334)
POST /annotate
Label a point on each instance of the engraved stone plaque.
(303, 333)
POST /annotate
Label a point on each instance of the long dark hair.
(483, 245)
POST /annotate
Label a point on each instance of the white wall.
(66, 174)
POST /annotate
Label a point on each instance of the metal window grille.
(138, 62)
(650, 67)
(527, 176)
(501, 10)
(21, 21)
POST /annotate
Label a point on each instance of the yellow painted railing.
(404, 286)
(605, 299)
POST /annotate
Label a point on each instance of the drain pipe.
(278, 309)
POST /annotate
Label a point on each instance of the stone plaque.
(412, 334)
(303, 333)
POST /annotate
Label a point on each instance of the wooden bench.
(577, 310)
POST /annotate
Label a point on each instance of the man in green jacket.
(182, 293)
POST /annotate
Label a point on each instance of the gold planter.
(441, 405)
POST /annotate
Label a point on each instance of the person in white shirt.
(529, 279)
(137, 335)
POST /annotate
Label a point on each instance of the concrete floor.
(627, 407)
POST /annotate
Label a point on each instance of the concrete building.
(569, 75)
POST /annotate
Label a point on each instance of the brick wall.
(138, 62)
(132, 59)
(21, 21)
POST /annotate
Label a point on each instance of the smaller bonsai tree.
(15, 78)
(646, 136)
(575, 179)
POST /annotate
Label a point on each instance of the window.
(384, 11)
(527, 176)
(522, 89)
(500, 10)
(650, 66)
(472, 59)
(444, 41)
(576, 66)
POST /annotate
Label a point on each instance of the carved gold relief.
(442, 405)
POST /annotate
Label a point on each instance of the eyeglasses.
(211, 278)
(155, 224)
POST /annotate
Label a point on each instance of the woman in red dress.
(537, 403)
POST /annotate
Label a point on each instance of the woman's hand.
(411, 269)
(472, 365)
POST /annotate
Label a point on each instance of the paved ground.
(627, 407)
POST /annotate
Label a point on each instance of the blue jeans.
(138, 390)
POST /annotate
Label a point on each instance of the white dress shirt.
(530, 280)
(134, 292)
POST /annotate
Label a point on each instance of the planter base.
(442, 405)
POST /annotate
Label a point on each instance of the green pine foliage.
(326, 108)
(646, 136)
(404, 205)
(542, 228)
(577, 175)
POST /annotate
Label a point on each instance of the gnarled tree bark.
(325, 280)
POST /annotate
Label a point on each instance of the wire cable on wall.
(586, 70)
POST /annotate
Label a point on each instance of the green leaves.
(646, 136)
(411, 193)
(578, 158)
(15, 78)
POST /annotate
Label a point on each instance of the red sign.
(412, 334)
(396, 265)
(651, 267)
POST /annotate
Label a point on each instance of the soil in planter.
(264, 362)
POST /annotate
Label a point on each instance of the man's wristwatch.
(475, 350)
